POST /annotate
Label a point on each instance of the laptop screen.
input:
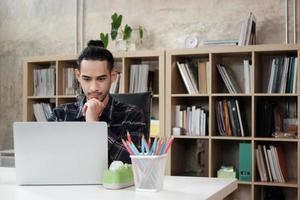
(60, 152)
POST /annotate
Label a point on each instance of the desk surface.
(174, 188)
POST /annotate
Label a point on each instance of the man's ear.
(77, 74)
(113, 75)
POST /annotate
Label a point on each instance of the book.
(263, 164)
(138, 78)
(233, 117)
(282, 165)
(272, 166)
(224, 78)
(192, 78)
(240, 118)
(220, 118)
(276, 164)
(115, 86)
(247, 78)
(229, 79)
(42, 111)
(154, 128)
(232, 42)
(227, 118)
(248, 31)
(259, 164)
(202, 79)
(44, 81)
(267, 162)
(245, 162)
(185, 78)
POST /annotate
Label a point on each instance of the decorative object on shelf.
(126, 38)
(191, 41)
(226, 172)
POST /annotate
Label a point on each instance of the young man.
(95, 75)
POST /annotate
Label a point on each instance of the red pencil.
(129, 137)
(169, 144)
(149, 143)
(127, 148)
(160, 142)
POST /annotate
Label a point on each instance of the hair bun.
(95, 43)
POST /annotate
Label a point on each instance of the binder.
(245, 162)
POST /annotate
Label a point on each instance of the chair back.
(140, 100)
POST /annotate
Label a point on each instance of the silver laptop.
(50, 153)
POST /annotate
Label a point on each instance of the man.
(95, 74)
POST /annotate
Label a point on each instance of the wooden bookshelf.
(223, 150)
(155, 59)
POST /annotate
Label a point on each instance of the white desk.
(174, 188)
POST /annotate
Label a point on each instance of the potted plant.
(126, 38)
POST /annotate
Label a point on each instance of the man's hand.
(92, 109)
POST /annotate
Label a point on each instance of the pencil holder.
(148, 172)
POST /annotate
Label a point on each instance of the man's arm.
(65, 112)
(58, 114)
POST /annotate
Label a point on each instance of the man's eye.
(101, 78)
(85, 78)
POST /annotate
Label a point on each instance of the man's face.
(95, 78)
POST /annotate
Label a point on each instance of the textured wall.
(43, 27)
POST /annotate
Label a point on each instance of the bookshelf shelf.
(277, 139)
(230, 95)
(244, 183)
(189, 95)
(41, 97)
(66, 96)
(275, 95)
(292, 184)
(224, 150)
(191, 137)
(231, 138)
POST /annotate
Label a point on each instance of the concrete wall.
(43, 27)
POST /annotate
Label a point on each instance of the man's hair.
(96, 51)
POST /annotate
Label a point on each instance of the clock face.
(191, 42)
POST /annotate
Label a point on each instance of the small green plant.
(115, 26)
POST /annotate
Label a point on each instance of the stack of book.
(69, 82)
(231, 119)
(44, 81)
(248, 29)
(116, 86)
(42, 111)
(192, 119)
(247, 35)
(283, 75)
(229, 79)
(271, 164)
(195, 81)
(138, 78)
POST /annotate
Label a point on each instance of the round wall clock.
(191, 42)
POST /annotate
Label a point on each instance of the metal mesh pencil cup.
(148, 172)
